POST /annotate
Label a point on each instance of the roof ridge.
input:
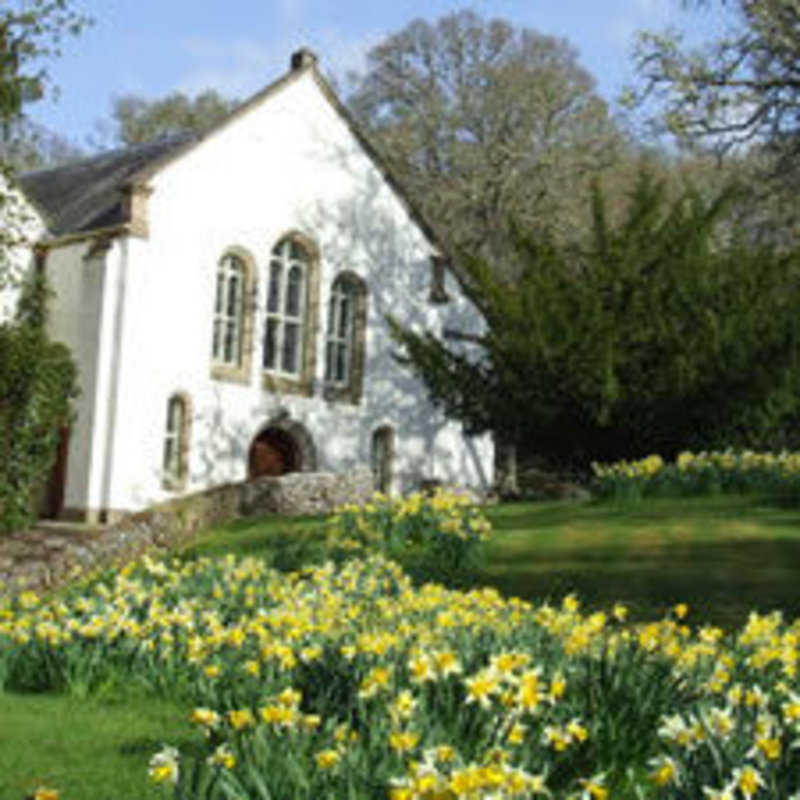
(114, 153)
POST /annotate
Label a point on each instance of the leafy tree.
(742, 88)
(37, 377)
(29, 146)
(737, 95)
(138, 120)
(482, 122)
(31, 31)
(666, 332)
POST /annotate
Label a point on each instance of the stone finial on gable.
(302, 58)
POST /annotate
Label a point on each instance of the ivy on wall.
(38, 382)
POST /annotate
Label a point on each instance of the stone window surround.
(240, 373)
(352, 391)
(304, 383)
(177, 483)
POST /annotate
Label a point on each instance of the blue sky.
(153, 47)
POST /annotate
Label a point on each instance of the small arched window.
(345, 338)
(286, 308)
(230, 345)
(176, 442)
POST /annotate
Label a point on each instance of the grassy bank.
(723, 555)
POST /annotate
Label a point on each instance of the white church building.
(224, 297)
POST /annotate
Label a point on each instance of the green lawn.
(86, 749)
(724, 556)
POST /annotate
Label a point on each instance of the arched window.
(286, 304)
(230, 345)
(227, 345)
(345, 338)
(339, 333)
(176, 441)
(292, 292)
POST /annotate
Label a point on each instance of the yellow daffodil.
(481, 687)
(403, 741)
(747, 779)
(593, 788)
(241, 718)
(326, 759)
(665, 770)
(163, 767)
(222, 757)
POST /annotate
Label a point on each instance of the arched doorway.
(273, 452)
(282, 445)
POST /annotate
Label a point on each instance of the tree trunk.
(508, 478)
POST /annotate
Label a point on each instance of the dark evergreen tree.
(670, 330)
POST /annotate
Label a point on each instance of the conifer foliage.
(668, 330)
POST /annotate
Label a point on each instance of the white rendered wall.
(290, 164)
(82, 316)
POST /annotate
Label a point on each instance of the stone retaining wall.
(47, 557)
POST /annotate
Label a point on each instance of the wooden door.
(53, 494)
(272, 453)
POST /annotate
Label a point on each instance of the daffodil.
(222, 757)
(726, 793)
(163, 767)
(665, 770)
(326, 759)
(402, 741)
(481, 687)
(594, 788)
(44, 793)
(241, 718)
(748, 779)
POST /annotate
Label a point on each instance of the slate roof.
(86, 195)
